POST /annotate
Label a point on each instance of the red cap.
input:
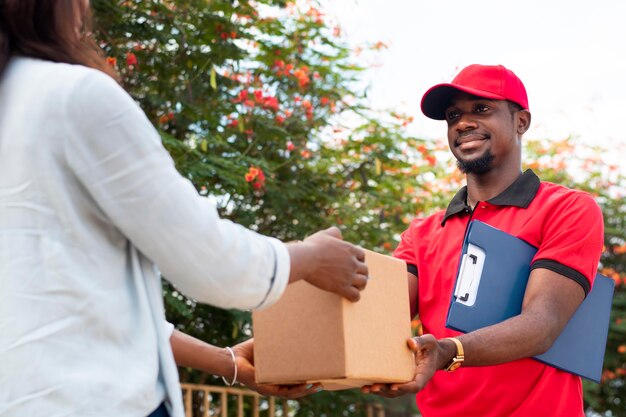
(487, 81)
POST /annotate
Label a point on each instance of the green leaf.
(213, 78)
(241, 124)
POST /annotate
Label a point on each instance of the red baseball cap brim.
(437, 99)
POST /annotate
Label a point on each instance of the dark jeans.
(159, 412)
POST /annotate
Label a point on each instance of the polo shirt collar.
(518, 194)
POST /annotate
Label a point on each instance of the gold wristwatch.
(457, 359)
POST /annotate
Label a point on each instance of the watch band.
(457, 360)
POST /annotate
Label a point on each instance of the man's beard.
(480, 165)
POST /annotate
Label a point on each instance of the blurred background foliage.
(262, 107)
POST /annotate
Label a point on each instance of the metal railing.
(215, 401)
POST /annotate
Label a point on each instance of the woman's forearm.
(194, 353)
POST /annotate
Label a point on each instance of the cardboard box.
(311, 335)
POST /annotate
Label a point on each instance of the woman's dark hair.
(54, 30)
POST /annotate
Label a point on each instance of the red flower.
(380, 45)
(255, 174)
(131, 59)
(166, 118)
(308, 109)
(290, 146)
(252, 173)
(324, 101)
(302, 76)
(608, 375)
(112, 61)
(270, 103)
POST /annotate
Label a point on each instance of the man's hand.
(244, 354)
(330, 263)
(429, 357)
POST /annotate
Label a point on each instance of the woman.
(90, 206)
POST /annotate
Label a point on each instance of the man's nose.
(466, 122)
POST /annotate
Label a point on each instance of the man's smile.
(469, 141)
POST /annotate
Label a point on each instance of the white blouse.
(90, 205)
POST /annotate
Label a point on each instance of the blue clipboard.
(490, 286)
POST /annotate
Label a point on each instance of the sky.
(571, 56)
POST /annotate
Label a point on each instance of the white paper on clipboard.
(469, 275)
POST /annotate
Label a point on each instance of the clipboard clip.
(468, 280)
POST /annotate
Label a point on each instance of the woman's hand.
(244, 354)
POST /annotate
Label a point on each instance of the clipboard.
(490, 287)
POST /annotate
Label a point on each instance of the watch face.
(454, 366)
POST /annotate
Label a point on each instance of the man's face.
(482, 133)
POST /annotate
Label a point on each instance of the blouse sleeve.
(118, 157)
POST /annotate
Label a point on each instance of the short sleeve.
(572, 239)
(406, 247)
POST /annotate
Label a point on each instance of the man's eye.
(481, 108)
(451, 115)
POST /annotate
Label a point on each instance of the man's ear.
(523, 121)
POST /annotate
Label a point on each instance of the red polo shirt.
(567, 227)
